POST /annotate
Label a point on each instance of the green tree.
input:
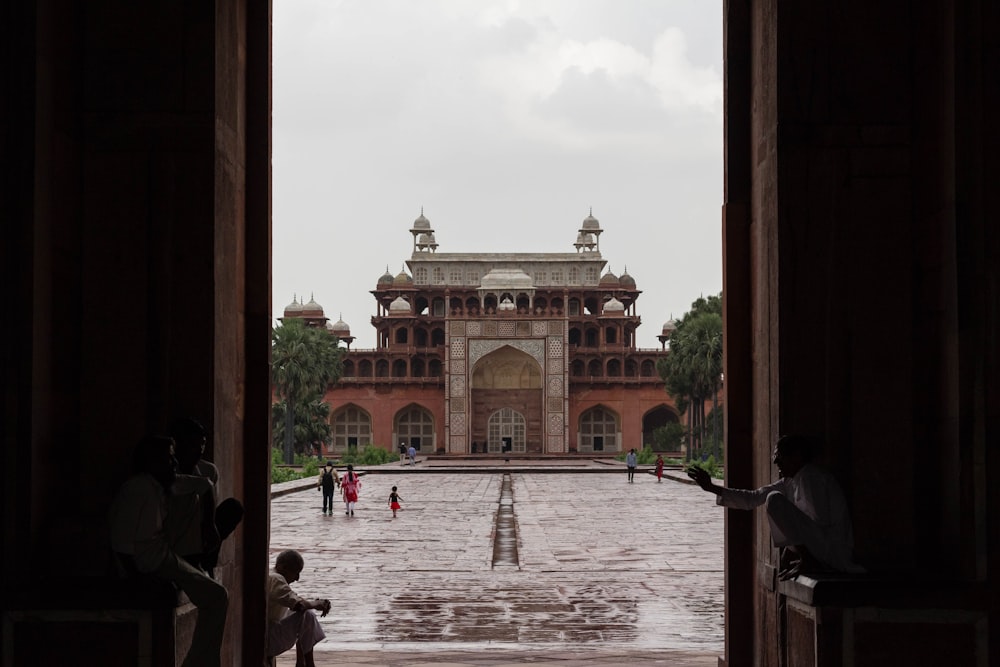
(304, 362)
(692, 371)
(311, 424)
(669, 437)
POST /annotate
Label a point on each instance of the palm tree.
(304, 362)
(692, 371)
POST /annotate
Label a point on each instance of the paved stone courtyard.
(605, 569)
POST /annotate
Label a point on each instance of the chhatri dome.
(340, 327)
(613, 305)
(399, 306)
(294, 308)
(385, 278)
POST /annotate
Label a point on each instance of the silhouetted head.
(154, 454)
(792, 452)
(289, 564)
(190, 438)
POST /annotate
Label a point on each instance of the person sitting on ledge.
(806, 510)
(138, 519)
(290, 621)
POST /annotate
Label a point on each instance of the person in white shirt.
(143, 546)
(806, 510)
(190, 438)
(290, 621)
(630, 463)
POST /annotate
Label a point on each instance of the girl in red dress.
(394, 499)
(659, 467)
(350, 484)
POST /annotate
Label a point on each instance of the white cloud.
(506, 120)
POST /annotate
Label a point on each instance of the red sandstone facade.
(532, 353)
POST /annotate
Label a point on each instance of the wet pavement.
(601, 572)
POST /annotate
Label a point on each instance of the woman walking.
(659, 468)
(350, 484)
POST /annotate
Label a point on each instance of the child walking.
(394, 499)
(350, 483)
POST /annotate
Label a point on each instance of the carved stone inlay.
(556, 444)
(457, 348)
(474, 329)
(554, 404)
(489, 328)
(458, 422)
(506, 328)
(458, 328)
(555, 347)
(524, 328)
(555, 423)
(480, 347)
(458, 385)
(539, 328)
(458, 404)
(555, 328)
(457, 444)
(555, 385)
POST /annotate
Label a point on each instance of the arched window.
(506, 431)
(348, 368)
(434, 368)
(420, 276)
(614, 368)
(381, 368)
(415, 426)
(631, 368)
(399, 368)
(574, 307)
(578, 368)
(574, 336)
(417, 368)
(365, 368)
(594, 368)
(437, 308)
(352, 429)
(610, 335)
(420, 337)
(574, 276)
(598, 431)
(438, 274)
(420, 305)
(472, 305)
(402, 335)
(648, 369)
(437, 337)
(591, 338)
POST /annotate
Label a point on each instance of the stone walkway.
(608, 572)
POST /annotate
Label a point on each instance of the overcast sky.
(506, 121)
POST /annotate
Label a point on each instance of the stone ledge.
(883, 591)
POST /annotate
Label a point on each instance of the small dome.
(613, 305)
(625, 280)
(426, 239)
(385, 278)
(590, 223)
(399, 306)
(584, 238)
(669, 326)
(506, 306)
(421, 222)
(294, 308)
(609, 278)
(402, 278)
(340, 327)
(312, 308)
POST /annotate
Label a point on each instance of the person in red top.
(394, 499)
(659, 467)
(350, 484)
